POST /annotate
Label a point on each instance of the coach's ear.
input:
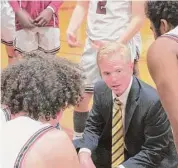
(164, 26)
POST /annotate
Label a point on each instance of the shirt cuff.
(49, 7)
(121, 166)
(85, 150)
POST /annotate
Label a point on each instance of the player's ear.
(164, 26)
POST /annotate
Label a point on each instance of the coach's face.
(116, 73)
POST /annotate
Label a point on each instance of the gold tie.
(117, 134)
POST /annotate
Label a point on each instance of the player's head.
(41, 85)
(163, 15)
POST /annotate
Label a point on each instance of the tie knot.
(117, 101)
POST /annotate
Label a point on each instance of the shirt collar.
(124, 96)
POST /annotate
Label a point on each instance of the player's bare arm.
(163, 67)
(138, 18)
(77, 19)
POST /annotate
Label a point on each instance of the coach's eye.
(118, 70)
(106, 73)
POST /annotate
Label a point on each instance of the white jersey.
(3, 117)
(4, 1)
(173, 32)
(17, 136)
(107, 20)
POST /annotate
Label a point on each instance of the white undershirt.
(123, 99)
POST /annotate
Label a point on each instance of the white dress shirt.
(123, 99)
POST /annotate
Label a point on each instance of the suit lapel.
(108, 103)
(132, 103)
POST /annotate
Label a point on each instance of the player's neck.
(20, 114)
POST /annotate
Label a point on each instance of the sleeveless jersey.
(107, 20)
(18, 135)
(173, 34)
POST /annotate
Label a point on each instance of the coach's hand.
(44, 17)
(85, 160)
(25, 19)
(72, 39)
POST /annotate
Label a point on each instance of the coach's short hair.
(114, 48)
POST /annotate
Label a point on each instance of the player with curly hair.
(162, 56)
(36, 90)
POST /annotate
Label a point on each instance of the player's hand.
(85, 160)
(97, 44)
(72, 40)
(25, 19)
(44, 17)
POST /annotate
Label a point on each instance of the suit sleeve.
(94, 126)
(156, 132)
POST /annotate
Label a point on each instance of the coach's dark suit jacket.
(148, 136)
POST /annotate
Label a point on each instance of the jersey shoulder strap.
(171, 36)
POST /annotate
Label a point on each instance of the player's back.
(107, 20)
(27, 143)
(17, 137)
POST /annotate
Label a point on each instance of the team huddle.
(130, 124)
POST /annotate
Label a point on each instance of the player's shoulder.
(54, 138)
(52, 149)
(53, 143)
(162, 46)
(58, 137)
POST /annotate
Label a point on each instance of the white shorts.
(89, 64)
(7, 24)
(46, 39)
(138, 44)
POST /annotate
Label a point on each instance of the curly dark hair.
(157, 10)
(41, 85)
